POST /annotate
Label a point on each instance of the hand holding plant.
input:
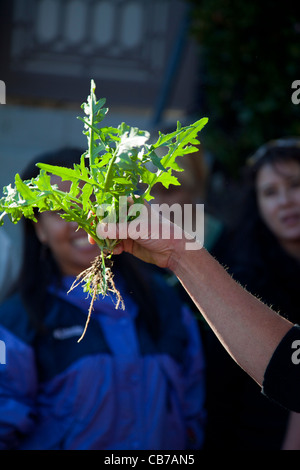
(117, 163)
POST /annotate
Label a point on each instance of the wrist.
(175, 256)
(183, 255)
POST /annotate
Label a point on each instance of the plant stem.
(109, 170)
(2, 216)
(91, 130)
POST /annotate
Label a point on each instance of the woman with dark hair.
(264, 257)
(135, 381)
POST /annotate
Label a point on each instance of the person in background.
(264, 257)
(137, 378)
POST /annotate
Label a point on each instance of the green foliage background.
(250, 56)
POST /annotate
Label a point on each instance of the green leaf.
(167, 178)
(131, 139)
(24, 189)
(117, 161)
(156, 160)
(66, 174)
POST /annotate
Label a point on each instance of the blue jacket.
(116, 389)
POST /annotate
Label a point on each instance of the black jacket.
(239, 415)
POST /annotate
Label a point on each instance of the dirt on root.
(101, 281)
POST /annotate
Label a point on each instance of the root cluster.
(98, 279)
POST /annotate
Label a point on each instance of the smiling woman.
(48, 243)
(135, 381)
(68, 244)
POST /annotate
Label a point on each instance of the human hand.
(150, 237)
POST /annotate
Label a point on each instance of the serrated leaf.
(167, 178)
(42, 181)
(156, 160)
(133, 138)
(24, 189)
(103, 160)
(87, 191)
(117, 160)
(66, 174)
(121, 180)
(166, 139)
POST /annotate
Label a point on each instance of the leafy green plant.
(249, 53)
(118, 162)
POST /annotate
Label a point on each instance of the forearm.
(248, 329)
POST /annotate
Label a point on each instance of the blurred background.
(155, 62)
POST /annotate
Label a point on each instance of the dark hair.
(254, 256)
(39, 268)
(251, 232)
(273, 152)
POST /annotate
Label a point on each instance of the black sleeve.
(282, 376)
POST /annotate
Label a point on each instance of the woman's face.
(70, 248)
(278, 196)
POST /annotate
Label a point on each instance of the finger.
(91, 240)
